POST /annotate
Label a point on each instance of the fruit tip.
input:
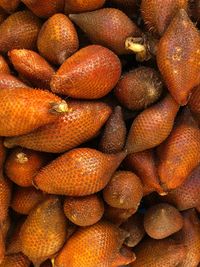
(21, 158)
(61, 107)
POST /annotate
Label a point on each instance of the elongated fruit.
(10, 81)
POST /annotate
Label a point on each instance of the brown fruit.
(25, 27)
(114, 134)
(96, 245)
(2, 153)
(152, 126)
(134, 226)
(81, 123)
(24, 110)
(79, 172)
(194, 103)
(162, 220)
(4, 68)
(25, 199)
(139, 88)
(124, 190)
(180, 153)
(63, 39)
(10, 81)
(9, 5)
(84, 211)
(90, 73)
(178, 57)
(108, 27)
(22, 165)
(79, 6)
(5, 197)
(46, 224)
(31, 66)
(44, 8)
(16, 260)
(157, 253)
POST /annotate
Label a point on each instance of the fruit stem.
(59, 108)
(21, 158)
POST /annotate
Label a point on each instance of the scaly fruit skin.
(16, 260)
(152, 126)
(44, 8)
(31, 66)
(157, 253)
(79, 172)
(5, 197)
(2, 153)
(90, 73)
(96, 245)
(25, 25)
(24, 110)
(81, 123)
(64, 39)
(84, 211)
(10, 81)
(108, 27)
(46, 224)
(80, 6)
(157, 14)
(114, 134)
(139, 88)
(9, 5)
(4, 66)
(178, 57)
(194, 103)
(180, 153)
(187, 195)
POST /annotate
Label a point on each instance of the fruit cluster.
(99, 133)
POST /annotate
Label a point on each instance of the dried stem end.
(59, 108)
(21, 158)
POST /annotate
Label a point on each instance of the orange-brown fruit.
(190, 237)
(4, 68)
(157, 14)
(5, 197)
(3, 16)
(90, 73)
(194, 103)
(79, 172)
(162, 220)
(22, 165)
(124, 190)
(157, 253)
(2, 153)
(25, 27)
(25, 199)
(84, 211)
(187, 195)
(44, 8)
(10, 81)
(178, 57)
(143, 164)
(134, 226)
(57, 39)
(24, 110)
(31, 66)
(108, 27)
(152, 126)
(114, 134)
(96, 245)
(46, 225)
(9, 5)
(82, 123)
(80, 6)
(180, 153)
(139, 88)
(16, 260)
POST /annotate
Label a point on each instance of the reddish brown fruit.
(194, 103)
(180, 153)
(123, 191)
(25, 26)
(25, 199)
(108, 27)
(162, 220)
(152, 126)
(5, 197)
(79, 172)
(82, 123)
(9, 5)
(84, 211)
(139, 88)
(10, 81)
(2, 153)
(96, 245)
(178, 57)
(24, 110)
(3, 16)
(64, 39)
(90, 73)
(114, 134)
(32, 67)
(44, 8)
(4, 68)
(134, 226)
(46, 224)
(157, 253)
(79, 6)
(16, 260)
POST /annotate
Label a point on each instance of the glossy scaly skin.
(81, 123)
(90, 73)
(10, 81)
(25, 25)
(80, 6)
(108, 27)
(79, 172)
(178, 57)
(16, 260)
(9, 5)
